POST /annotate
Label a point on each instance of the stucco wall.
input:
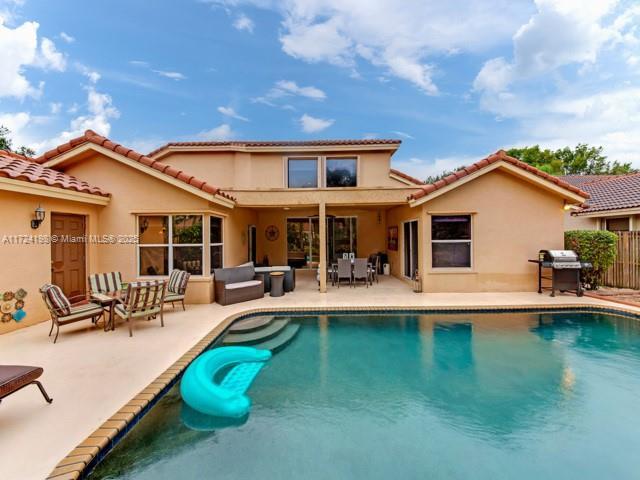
(255, 170)
(571, 222)
(512, 221)
(28, 266)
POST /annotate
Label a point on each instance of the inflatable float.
(226, 398)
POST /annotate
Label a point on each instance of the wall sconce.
(39, 214)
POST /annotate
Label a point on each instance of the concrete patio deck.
(91, 374)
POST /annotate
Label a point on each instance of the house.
(614, 204)
(201, 205)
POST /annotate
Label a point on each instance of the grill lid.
(560, 258)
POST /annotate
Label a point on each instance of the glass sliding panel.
(315, 242)
(407, 249)
(216, 257)
(297, 242)
(414, 248)
(187, 229)
(154, 260)
(302, 173)
(341, 172)
(153, 229)
(188, 258)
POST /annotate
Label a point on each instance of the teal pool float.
(226, 398)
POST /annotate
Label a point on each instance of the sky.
(453, 80)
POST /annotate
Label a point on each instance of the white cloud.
(221, 132)
(18, 48)
(403, 134)
(289, 88)
(401, 38)
(311, 124)
(91, 75)
(67, 38)
(16, 123)
(139, 63)
(49, 58)
(55, 108)
(230, 112)
(172, 75)
(242, 22)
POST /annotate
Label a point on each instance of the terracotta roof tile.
(611, 192)
(280, 143)
(92, 137)
(19, 167)
(500, 155)
(406, 177)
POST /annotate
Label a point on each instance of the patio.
(90, 374)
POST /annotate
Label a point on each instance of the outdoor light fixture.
(39, 214)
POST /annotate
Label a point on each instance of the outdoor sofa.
(16, 377)
(237, 284)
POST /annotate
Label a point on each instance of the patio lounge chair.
(142, 300)
(344, 270)
(237, 284)
(177, 287)
(361, 271)
(16, 377)
(63, 312)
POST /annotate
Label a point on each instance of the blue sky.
(454, 80)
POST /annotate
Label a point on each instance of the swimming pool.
(478, 395)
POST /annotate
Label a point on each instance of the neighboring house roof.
(21, 168)
(406, 177)
(499, 156)
(614, 193)
(581, 180)
(93, 138)
(260, 144)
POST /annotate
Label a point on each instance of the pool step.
(256, 336)
(282, 340)
(250, 324)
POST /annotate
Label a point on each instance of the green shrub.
(597, 247)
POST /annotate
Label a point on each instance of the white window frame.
(169, 245)
(319, 164)
(340, 157)
(470, 242)
(216, 244)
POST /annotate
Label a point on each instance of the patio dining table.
(110, 300)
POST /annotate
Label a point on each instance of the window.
(168, 242)
(216, 242)
(617, 224)
(451, 241)
(302, 173)
(341, 172)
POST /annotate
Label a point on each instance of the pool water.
(438, 396)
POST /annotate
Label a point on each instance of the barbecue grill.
(565, 271)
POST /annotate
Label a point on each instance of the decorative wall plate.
(272, 233)
(6, 307)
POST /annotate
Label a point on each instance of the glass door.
(410, 244)
(303, 240)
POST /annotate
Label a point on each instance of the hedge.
(598, 247)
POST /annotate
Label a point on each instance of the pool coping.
(80, 461)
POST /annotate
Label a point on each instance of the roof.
(92, 137)
(19, 167)
(409, 178)
(281, 143)
(500, 155)
(613, 193)
(581, 180)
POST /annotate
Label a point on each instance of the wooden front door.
(68, 256)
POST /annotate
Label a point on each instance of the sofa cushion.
(234, 274)
(248, 283)
(56, 300)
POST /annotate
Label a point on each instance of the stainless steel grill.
(565, 271)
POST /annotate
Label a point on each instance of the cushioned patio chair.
(142, 300)
(177, 287)
(16, 377)
(102, 284)
(63, 311)
(361, 271)
(237, 284)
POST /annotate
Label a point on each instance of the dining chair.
(344, 270)
(361, 271)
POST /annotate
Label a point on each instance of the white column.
(322, 220)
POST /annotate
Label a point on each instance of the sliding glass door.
(410, 244)
(303, 240)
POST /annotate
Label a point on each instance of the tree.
(581, 160)
(440, 176)
(6, 143)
